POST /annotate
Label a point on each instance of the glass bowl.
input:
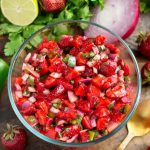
(52, 32)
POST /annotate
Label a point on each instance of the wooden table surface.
(138, 143)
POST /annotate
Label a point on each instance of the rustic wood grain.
(139, 143)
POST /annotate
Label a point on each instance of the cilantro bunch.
(74, 10)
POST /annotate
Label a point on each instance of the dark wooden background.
(7, 115)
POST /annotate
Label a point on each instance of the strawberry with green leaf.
(15, 138)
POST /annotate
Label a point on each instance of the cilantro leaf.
(15, 41)
(31, 29)
(6, 28)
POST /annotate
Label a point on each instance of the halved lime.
(20, 12)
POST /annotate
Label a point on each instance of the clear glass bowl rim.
(49, 140)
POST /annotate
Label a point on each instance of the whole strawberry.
(14, 138)
(52, 5)
(145, 72)
(143, 41)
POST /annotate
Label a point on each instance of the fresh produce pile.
(75, 90)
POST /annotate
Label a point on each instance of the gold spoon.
(139, 124)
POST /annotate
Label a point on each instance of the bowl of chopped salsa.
(72, 90)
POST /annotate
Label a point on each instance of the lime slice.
(20, 12)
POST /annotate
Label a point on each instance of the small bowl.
(50, 30)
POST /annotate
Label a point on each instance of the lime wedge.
(20, 12)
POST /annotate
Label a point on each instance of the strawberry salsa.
(74, 90)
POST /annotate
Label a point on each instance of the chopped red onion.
(80, 113)
(72, 139)
(97, 57)
(95, 50)
(93, 121)
(26, 104)
(34, 56)
(31, 89)
(34, 73)
(44, 50)
(111, 126)
(65, 138)
(79, 68)
(18, 87)
(125, 99)
(91, 63)
(95, 70)
(27, 58)
(56, 75)
(18, 94)
(72, 97)
(46, 91)
(25, 77)
(54, 110)
(83, 130)
(61, 122)
(86, 80)
(32, 99)
(58, 129)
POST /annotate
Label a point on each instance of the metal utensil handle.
(125, 141)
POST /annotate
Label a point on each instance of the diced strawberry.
(20, 101)
(48, 123)
(59, 90)
(72, 131)
(68, 104)
(57, 65)
(40, 86)
(118, 117)
(81, 90)
(116, 92)
(41, 116)
(29, 110)
(74, 51)
(94, 100)
(52, 46)
(86, 122)
(66, 85)
(93, 91)
(72, 74)
(78, 80)
(102, 122)
(88, 72)
(109, 82)
(44, 67)
(68, 115)
(98, 81)
(42, 105)
(80, 59)
(100, 40)
(108, 68)
(102, 112)
(50, 81)
(77, 41)
(112, 48)
(66, 41)
(51, 133)
(87, 47)
(118, 106)
(126, 70)
(84, 136)
(18, 80)
(104, 102)
(83, 105)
